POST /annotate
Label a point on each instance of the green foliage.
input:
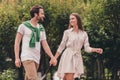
(101, 19)
(2, 62)
(103, 28)
(7, 33)
(112, 29)
(105, 24)
(9, 74)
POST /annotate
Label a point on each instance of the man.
(33, 36)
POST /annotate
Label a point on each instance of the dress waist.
(74, 51)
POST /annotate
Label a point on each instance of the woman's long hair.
(79, 22)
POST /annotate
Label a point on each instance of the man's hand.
(18, 63)
(53, 61)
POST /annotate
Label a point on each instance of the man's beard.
(40, 20)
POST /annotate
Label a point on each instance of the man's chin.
(41, 20)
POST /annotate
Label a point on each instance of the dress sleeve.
(63, 42)
(86, 44)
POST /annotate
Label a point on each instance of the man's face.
(40, 16)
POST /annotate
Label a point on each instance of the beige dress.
(71, 59)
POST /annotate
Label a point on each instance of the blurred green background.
(101, 19)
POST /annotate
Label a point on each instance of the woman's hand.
(53, 61)
(97, 50)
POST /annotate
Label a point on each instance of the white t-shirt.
(28, 53)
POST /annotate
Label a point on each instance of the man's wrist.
(51, 56)
(17, 58)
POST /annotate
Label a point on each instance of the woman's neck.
(75, 28)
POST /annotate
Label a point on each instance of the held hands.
(18, 63)
(53, 61)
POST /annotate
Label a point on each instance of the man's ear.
(35, 14)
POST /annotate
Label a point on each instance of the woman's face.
(73, 20)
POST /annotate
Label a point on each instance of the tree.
(103, 29)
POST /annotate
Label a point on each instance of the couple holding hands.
(33, 36)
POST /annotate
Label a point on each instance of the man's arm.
(49, 53)
(17, 49)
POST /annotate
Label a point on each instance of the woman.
(71, 63)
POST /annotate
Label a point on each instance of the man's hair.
(35, 9)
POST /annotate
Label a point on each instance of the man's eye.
(72, 18)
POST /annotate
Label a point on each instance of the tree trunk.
(98, 62)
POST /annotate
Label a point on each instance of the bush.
(9, 74)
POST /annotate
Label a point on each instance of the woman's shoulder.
(68, 30)
(83, 31)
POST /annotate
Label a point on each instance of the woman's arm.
(91, 49)
(62, 44)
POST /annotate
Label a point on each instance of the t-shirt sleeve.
(21, 29)
(43, 35)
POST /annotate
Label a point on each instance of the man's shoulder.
(21, 25)
(26, 23)
(41, 26)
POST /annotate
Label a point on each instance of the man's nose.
(43, 16)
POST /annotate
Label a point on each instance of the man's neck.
(34, 22)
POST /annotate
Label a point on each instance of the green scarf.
(34, 38)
